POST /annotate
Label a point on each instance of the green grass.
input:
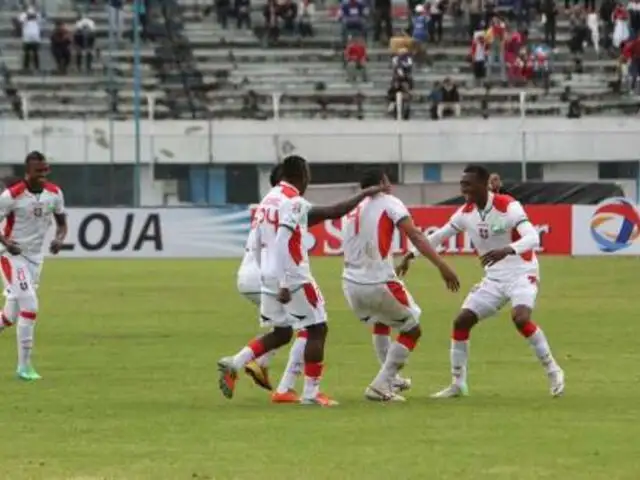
(128, 352)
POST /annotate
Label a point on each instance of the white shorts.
(489, 296)
(249, 284)
(388, 303)
(20, 276)
(306, 308)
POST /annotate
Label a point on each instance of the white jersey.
(282, 207)
(500, 224)
(368, 239)
(28, 216)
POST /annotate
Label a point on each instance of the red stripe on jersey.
(468, 207)
(7, 271)
(289, 190)
(9, 224)
(295, 246)
(311, 294)
(515, 236)
(51, 187)
(18, 189)
(501, 202)
(385, 235)
(398, 292)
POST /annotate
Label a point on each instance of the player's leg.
(523, 295)
(9, 314)
(271, 313)
(396, 308)
(381, 339)
(307, 306)
(484, 300)
(285, 392)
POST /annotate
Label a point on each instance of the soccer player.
(505, 239)
(371, 286)
(290, 296)
(249, 287)
(27, 207)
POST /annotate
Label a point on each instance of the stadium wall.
(610, 228)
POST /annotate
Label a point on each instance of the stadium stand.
(194, 68)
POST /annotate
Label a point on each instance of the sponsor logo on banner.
(553, 222)
(609, 228)
(179, 232)
(615, 225)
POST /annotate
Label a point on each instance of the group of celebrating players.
(275, 275)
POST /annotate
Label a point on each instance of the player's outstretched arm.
(318, 214)
(435, 239)
(416, 237)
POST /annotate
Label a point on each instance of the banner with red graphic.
(554, 222)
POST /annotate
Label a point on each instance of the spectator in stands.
(270, 13)
(352, 16)
(399, 96)
(495, 39)
(579, 30)
(594, 28)
(223, 11)
(306, 13)
(242, 10)
(540, 60)
(436, 14)
(288, 13)
(355, 59)
(478, 57)
(489, 11)
(140, 9)
(549, 19)
(450, 104)
(420, 33)
(31, 38)
(61, 47)
(382, 16)
(631, 56)
(402, 65)
(521, 12)
(475, 16)
(606, 17)
(634, 17)
(435, 99)
(620, 25)
(116, 17)
(84, 38)
(457, 16)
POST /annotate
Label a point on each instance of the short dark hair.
(293, 167)
(372, 178)
(34, 156)
(274, 176)
(479, 171)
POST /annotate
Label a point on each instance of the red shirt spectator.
(631, 50)
(356, 52)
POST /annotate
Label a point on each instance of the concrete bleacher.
(195, 69)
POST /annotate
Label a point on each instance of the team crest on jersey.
(498, 226)
(37, 211)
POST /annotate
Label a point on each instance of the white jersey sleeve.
(7, 203)
(396, 210)
(518, 220)
(59, 208)
(293, 213)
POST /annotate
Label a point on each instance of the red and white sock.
(254, 349)
(24, 335)
(381, 341)
(312, 377)
(295, 363)
(538, 341)
(459, 356)
(265, 359)
(396, 358)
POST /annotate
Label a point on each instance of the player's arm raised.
(6, 205)
(60, 217)
(529, 237)
(318, 213)
(435, 239)
(423, 246)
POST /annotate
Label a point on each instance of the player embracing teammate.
(27, 208)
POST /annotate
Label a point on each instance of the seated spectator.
(288, 13)
(620, 26)
(242, 10)
(84, 39)
(352, 16)
(450, 104)
(402, 65)
(31, 30)
(420, 32)
(355, 57)
(61, 47)
(521, 70)
(541, 67)
(398, 91)
(306, 12)
(478, 57)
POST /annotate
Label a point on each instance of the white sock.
(24, 335)
(381, 343)
(396, 358)
(459, 358)
(538, 342)
(243, 357)
(265, 359)
(294, 367)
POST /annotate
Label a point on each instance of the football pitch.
(128, 352)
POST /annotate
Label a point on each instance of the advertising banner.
(164, 232)
(552, 221)
(610, 228)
